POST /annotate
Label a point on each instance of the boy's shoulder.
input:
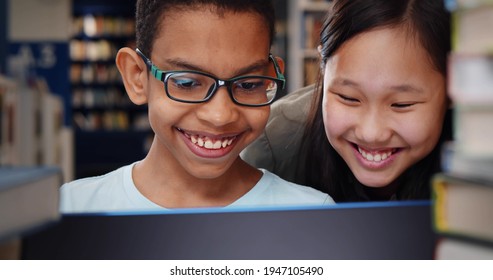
(279, 184)
(274, 191)
(95, 182)
(91, 192)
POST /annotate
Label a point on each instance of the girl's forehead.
(381, 59)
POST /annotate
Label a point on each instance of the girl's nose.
(373, 128)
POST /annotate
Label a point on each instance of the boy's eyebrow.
(256, 66)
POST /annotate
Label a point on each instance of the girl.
(379, 111)
(383, 102)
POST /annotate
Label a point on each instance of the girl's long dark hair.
(322, 166)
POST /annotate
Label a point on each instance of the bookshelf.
(3, 36)
(99, 101)
(463, 192)
(305, 20)
(280, 44)
(100, 106)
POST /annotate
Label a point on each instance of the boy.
(204, 69)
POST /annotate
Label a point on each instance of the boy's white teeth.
(376, 157)
(208, 143)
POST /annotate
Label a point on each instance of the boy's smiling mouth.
(209, 142)
(206, 142)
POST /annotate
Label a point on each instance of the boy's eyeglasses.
(198, 87)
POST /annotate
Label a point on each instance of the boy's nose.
(220, 110)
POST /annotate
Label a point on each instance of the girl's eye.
(347, 99)
(402, 105)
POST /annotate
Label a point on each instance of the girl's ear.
(134, 75)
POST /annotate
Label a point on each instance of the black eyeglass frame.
(163, 76)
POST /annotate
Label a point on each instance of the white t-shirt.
(116, 191)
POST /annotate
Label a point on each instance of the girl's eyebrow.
(181, 64)
(407, 88)
(397, 88)
(345, 82)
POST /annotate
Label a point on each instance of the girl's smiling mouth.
(375, 158)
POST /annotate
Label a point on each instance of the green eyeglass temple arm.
(154, 70)
(279, 74)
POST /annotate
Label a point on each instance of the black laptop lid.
(387, 230)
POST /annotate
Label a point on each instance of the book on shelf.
(31, 127)
(470, 86)
(462, 164)
(465, 4)
(471, 27)
(21, 126)
(449, 248)
(472, 130)
(51, 124)
(462, 206)
(470, 80)
(29, 199)
(312, 69)
(313, 26)
(6, 87)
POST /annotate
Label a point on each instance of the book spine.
(440, 204)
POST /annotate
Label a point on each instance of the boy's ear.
(134, 75)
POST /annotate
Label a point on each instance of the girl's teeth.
(376, 157)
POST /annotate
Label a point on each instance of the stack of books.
(29, 199)
(463, 192)
(462, 215)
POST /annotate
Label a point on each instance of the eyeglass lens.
(197, 87)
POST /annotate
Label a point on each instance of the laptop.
(381, 230)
